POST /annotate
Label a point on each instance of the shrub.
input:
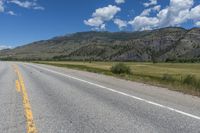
(120, 68)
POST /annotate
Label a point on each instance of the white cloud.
(39, 8)
(120, 23)
(12, 13)
(27, 4)
(120, 1)
(147, 12)
(1, 6)
(103, 27)
(31, 4)
(144, 23)
(106, 13)
(5, 47)
(197, 23)
(157, 8)
(150, 3)
(101, 15)
(195, 13)
(95, 22)
(177, 13)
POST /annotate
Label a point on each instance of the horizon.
(24, 22)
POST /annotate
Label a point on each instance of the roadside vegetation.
(182, 77)
(120, 68)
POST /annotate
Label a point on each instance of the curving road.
(46, 99)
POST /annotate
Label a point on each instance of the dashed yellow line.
(31, 128)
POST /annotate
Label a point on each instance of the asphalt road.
(57, 100)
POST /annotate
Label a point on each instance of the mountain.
(166, 44)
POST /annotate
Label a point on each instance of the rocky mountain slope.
(166, 44)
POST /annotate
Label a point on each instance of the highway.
(45, 99)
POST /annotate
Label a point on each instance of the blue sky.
(25, 21)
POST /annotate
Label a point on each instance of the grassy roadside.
(178, 77)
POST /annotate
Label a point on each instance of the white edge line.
(122, 93)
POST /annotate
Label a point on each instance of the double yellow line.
(20, 87)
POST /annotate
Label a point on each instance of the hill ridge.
(165, 44)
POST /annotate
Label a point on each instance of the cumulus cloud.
(102, 15)
(144, 23)
(177, 13)
(120, 1)
(150, 3)
(120, 23)
(195, 13)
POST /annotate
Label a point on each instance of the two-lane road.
(46, 99)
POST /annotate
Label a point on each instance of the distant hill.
(166, 44)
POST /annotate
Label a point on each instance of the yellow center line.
(18, 88)
(31, 128)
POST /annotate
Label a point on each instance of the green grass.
(183, 77)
